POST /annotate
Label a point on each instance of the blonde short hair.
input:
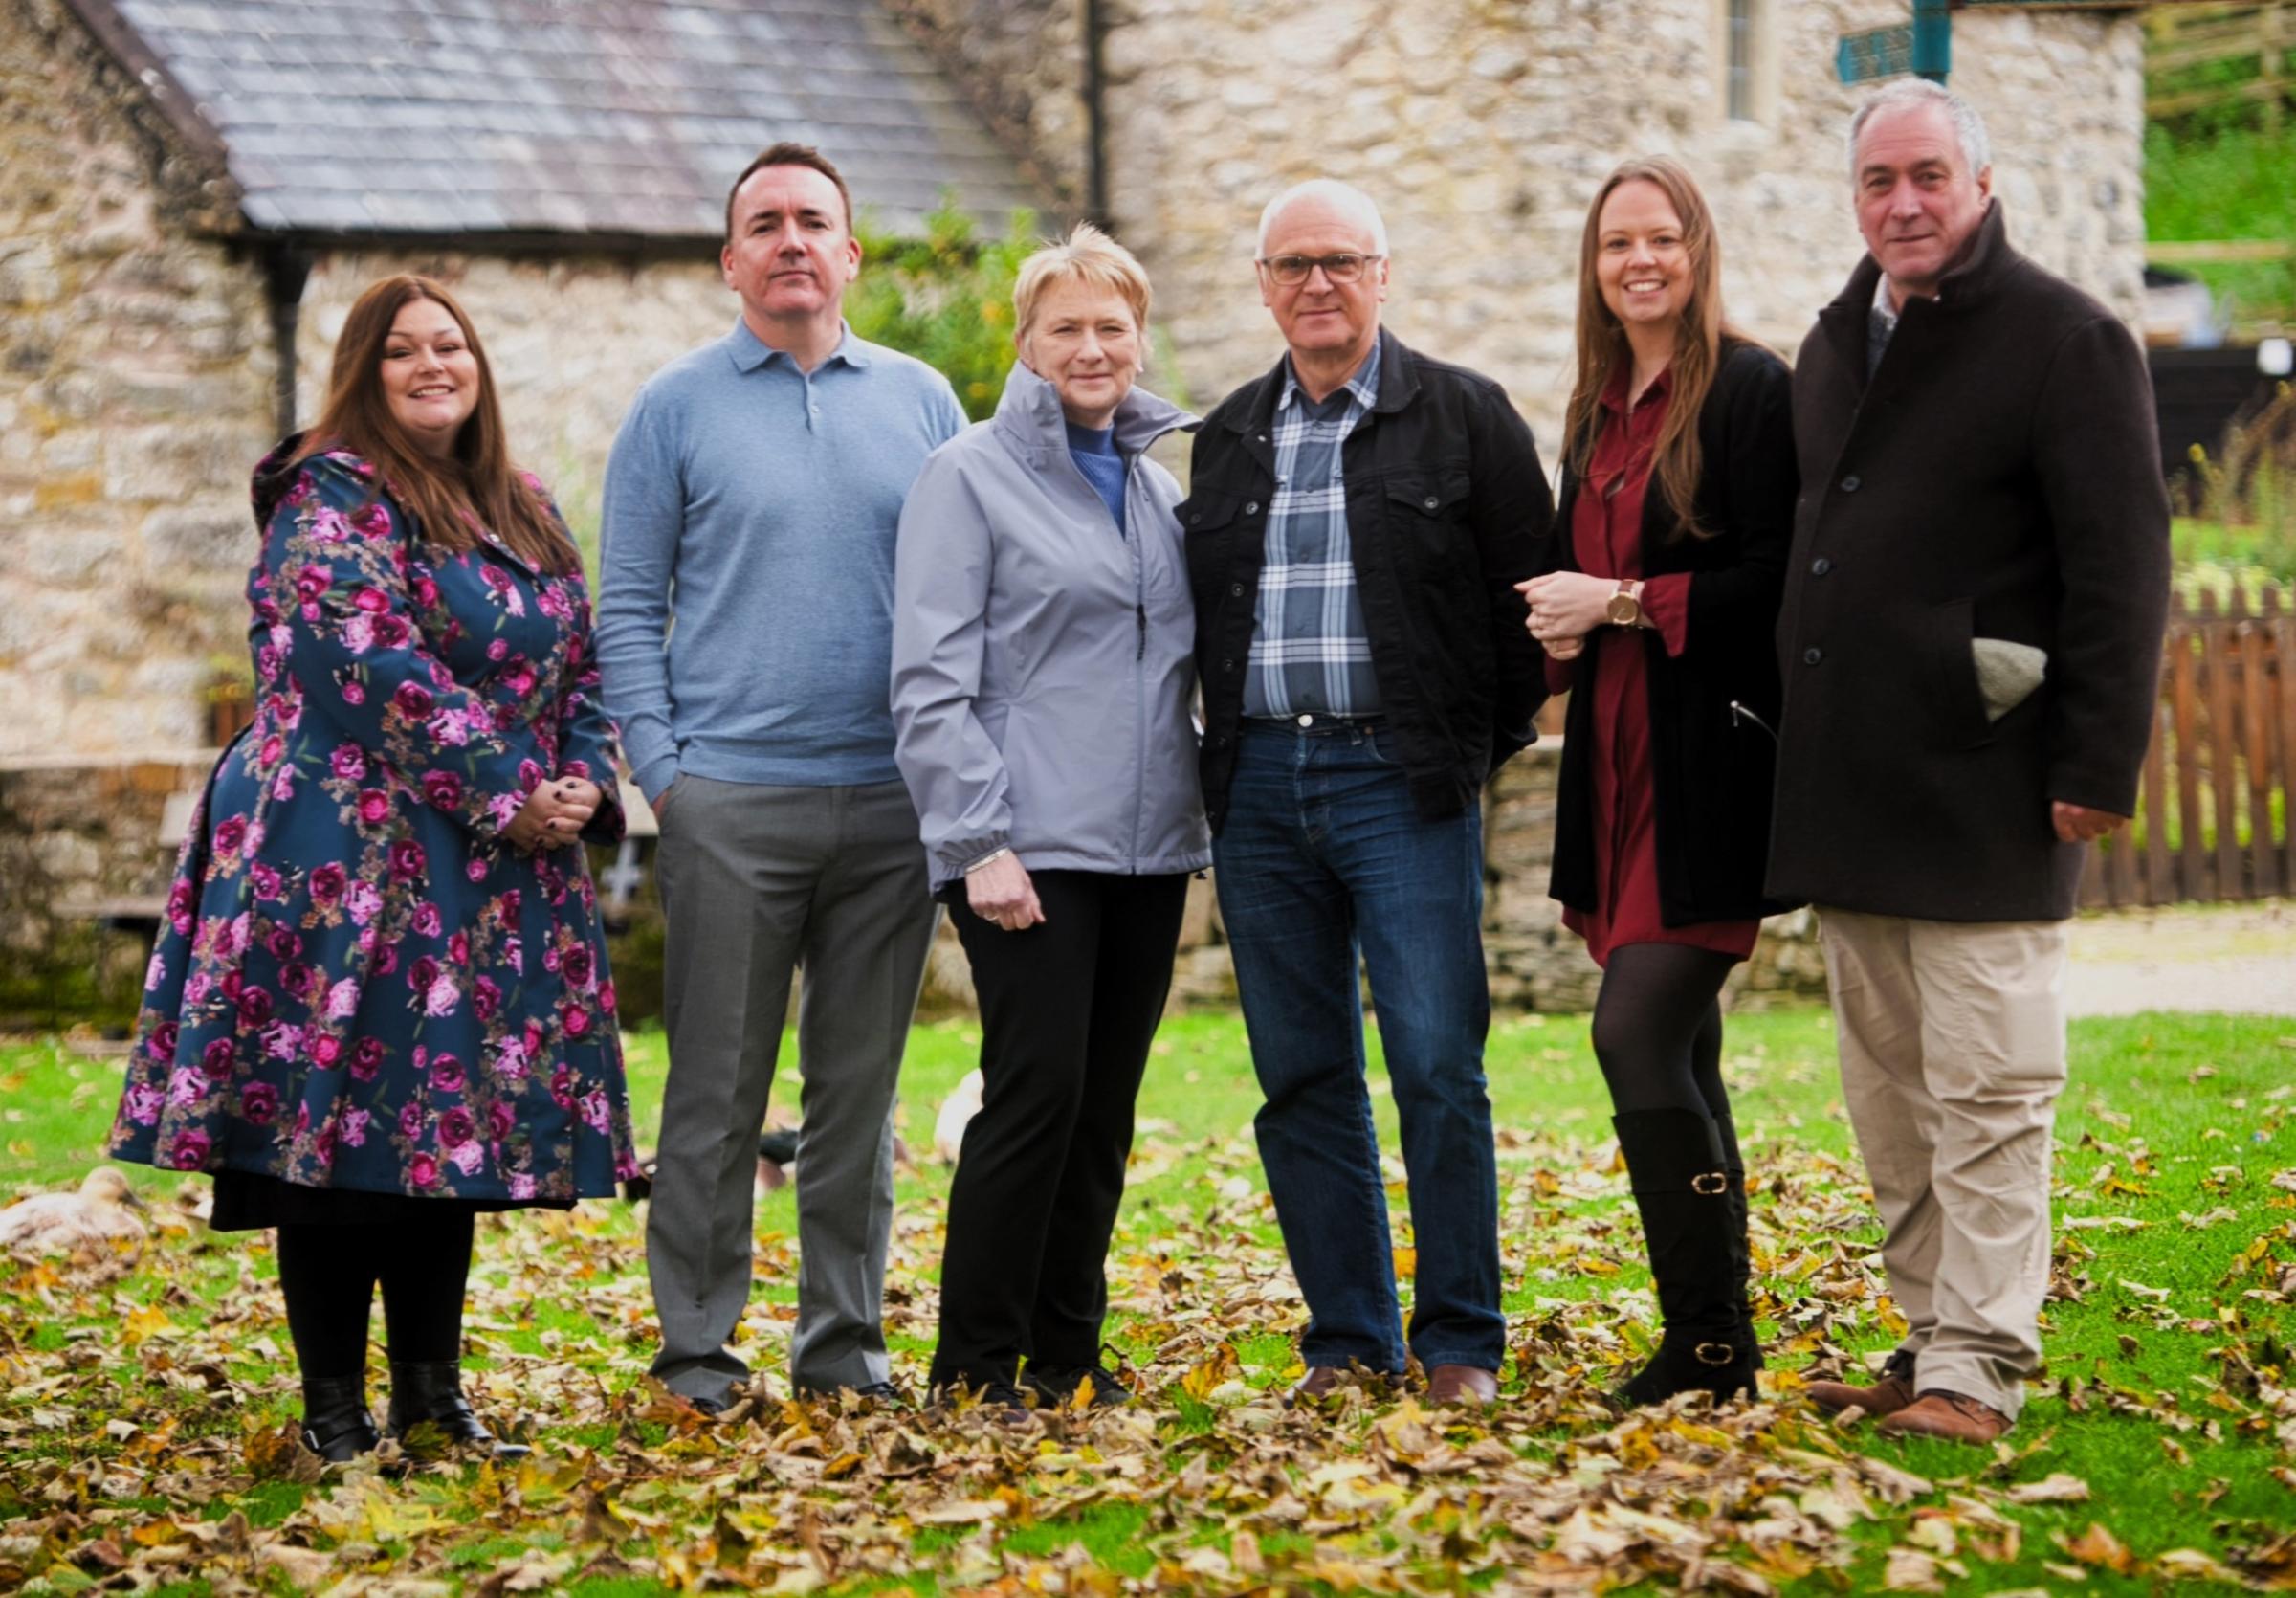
(1087, 255)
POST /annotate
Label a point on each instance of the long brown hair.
(476, 483)
(1603, 348)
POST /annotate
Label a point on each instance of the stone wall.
(570, 338)
(135, 376)
(74, 833)
(1483, 127)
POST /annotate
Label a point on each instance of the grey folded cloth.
(2007, 672)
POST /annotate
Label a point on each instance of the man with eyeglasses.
(1358, 520)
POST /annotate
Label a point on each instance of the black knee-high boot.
(1682, 1187)
(1741, 1243)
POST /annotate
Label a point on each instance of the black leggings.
(328, 1275)
(1658, 1031)
(1069, 1011)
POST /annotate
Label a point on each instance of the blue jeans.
(1323, 853)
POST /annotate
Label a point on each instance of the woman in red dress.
(1678, 499)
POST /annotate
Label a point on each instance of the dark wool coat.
(1447, 509)
(2000, 478)
(1710, 766)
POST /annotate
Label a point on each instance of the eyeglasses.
(1291, 271)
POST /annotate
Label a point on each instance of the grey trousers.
(1953, 1055)
(757, 881)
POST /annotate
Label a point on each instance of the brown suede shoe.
(1324, 1380)
(1885, 1397)
(1461, 1384)
(1320, 1381)
(1938, 1413)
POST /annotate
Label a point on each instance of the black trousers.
(1068, 1011)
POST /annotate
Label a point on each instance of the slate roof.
(624, 118)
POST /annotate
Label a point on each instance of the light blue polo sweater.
(745, 588)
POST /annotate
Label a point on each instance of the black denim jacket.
(1448, 508)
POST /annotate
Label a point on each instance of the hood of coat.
(1029, 418)
(275, 474)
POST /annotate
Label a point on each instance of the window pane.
(1738, 82)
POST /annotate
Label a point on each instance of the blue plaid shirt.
(1310, 653)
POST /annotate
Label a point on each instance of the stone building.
(1483, 126)
(192, 193)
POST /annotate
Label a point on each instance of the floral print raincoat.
(361, 983)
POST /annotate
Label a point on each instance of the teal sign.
(1880, 52)
(1924, 48)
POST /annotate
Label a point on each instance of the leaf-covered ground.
(144, 1413)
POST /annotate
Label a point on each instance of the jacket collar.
(1985, 261)
(1399, 385)
(1029, 416)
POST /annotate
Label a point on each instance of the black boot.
(432, 1393)
(1741, 1246)
(1682, 1187)
(337, 1426)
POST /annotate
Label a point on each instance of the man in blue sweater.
(744, 628)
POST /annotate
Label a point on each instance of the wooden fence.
(2214, 813)
(2186, 37)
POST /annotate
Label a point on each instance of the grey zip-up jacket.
(1042, 658)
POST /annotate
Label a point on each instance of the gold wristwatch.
(1625, 607)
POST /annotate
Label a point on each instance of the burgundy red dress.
(1606, 532)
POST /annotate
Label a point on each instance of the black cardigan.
(1713, 708)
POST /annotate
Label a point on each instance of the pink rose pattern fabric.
(360, 984)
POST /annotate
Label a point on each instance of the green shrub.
(2227, 183)
(946, 298)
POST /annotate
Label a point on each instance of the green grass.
(2178, 1125)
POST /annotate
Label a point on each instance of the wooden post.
(2263, 855)
(2191, 869)
(2269, 44)
(2223, 761)
(2154, 807)
(2284, 657)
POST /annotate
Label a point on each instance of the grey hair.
(1969, 128)
(1343, 197)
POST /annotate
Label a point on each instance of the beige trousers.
(1952, 1037)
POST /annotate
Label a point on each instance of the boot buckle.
(1715, 1353)
(1712, 1184)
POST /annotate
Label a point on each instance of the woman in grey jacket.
(1042, 663)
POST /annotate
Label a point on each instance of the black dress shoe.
(883, 1394)
(429, 1394)
(1003, 1402)
(1057, 1384)
(337, 1426)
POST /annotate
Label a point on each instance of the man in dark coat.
(1970, 643)
(1356, 520)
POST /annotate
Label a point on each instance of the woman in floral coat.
(381, 1003)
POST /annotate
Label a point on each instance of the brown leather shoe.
(1461, 1384)
(1885, 1397)
(1951, 1416)
(1324, 1380)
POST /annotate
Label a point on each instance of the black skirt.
(246, 1201)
